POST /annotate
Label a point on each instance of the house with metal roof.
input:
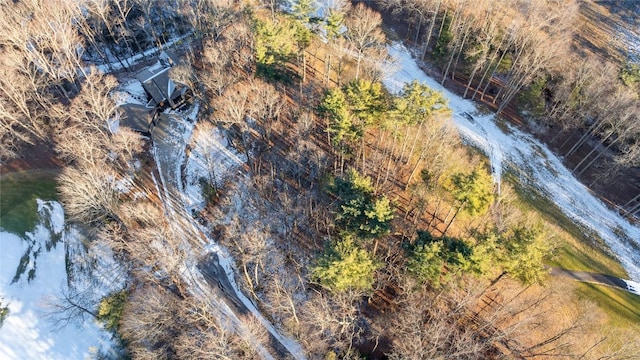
(162, 93)
(160, 88)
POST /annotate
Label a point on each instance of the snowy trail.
(169, 155)
(171, 137)
(533, 162)
(116, 65)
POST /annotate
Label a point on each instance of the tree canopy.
(473, 192)
(367, 100)
(345, 266)
(433, 260)
(418, 103)
(341, 126)
(360, 211)
(524, 250)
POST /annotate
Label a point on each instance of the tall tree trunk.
(592, 129)
(304, 66)
(362, 150)
(328, 68)
(389, 163)
(404, 143)
(602, 152)
(430, 32)
(358, 60)
(493, 74)
(414, 170)
(417, 135)
(461, 49)
(634, 199)
(473, 74)
(452, 220)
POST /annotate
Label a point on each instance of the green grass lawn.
(18, 194)
(582, 250)
(622, 307)
(579, 248)
(581, 257)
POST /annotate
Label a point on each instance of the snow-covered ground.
(633, 286)
(631, 40)
(132, 60)
(210, 158)
(533, 162)
(209, 154)
(26, 332)
(131, 92)
(629, 35)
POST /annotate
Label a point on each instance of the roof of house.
(159, 87)
(137, 117)
(169, 58)
(156, 81)
(156, 85)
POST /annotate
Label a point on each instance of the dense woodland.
(373, 232)
(530, 58)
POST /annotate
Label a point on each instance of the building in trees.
(137, 117)
(161, 90)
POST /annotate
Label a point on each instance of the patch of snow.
(134, 87)
(131, 92)
(113, 125)
(210, 157)
(155, 67)
(123, 185)
(199, 286)
(630, 37)
(25, 334)
(54, 211)
(171, 132)
(533, 161)
(130, 61)
(473, 127)
(633, 286)
(169, 153)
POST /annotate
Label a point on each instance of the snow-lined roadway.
(534, 163)
(170, 155)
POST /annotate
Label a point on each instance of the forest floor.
(34, 157)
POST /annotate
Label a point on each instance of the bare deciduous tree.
(364, 32)
(90, 194)
(232, 109)
(151, 320)
(331, 321)
(266, 105)
(127, 144)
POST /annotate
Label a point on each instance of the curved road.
(170, 138)
(599, 279)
